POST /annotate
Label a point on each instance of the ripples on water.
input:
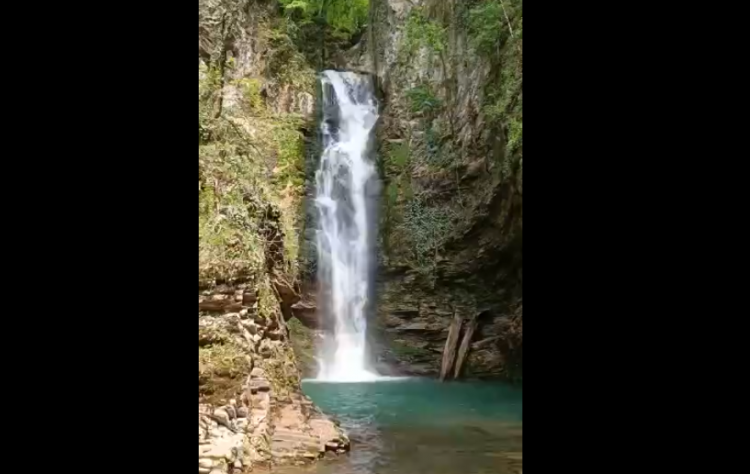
(422, 427)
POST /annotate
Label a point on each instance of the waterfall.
(346, 188)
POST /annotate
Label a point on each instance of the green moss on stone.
(222, 370)
(421, 31)
(409, 352)
(423, 100)
(303, 345)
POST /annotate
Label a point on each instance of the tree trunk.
(465, 344)
(449, 352)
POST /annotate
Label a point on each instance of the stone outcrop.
(449, 352)
(256, 107)
(450, 137)
(251, 410)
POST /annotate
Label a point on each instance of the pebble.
(222, 414)
(241, 424)
(249, 298)
(230, 411)
(250, 326)
(219, 451)
(208, 422)
(259, 385)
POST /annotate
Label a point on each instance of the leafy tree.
(343, 16)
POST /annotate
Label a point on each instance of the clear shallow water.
(420, 426)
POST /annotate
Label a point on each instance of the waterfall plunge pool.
(421, 426)
(396, 425)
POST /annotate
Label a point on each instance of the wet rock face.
(248, 53)
(413, 341)
(451, 232)
(251, 410)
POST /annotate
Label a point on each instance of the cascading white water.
(343, 179)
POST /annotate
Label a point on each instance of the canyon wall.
(451, 156)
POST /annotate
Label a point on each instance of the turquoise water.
(419, 426)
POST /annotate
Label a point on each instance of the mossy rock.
(208, 336)
(222, 370)
(410, 351)
(303, 346)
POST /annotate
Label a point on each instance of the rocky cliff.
(450, 154)
(250, 408)
(450, 138)
(255, 111)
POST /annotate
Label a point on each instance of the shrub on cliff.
(345, 16)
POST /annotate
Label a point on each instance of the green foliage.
(504, 109)
(239, 178)
(428, 228)
(302, 343)
(267, 303)
(221, 359)
(433, 150)
(209, 82)
(485, 34)
(222, 370)
(228, 243)
(428, 148)
(391, 194)
(423, 32)
(515, 134)
(289, 179)
(405, 185)
(397, 161)
(250, 89)
(344, 16)
(423, 100)
(495, 30)
(285, 61)
(290, 159)
(486, 26)
(398, 157)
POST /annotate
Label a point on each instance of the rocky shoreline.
(251, 411)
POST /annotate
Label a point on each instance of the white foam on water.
(377, 378)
